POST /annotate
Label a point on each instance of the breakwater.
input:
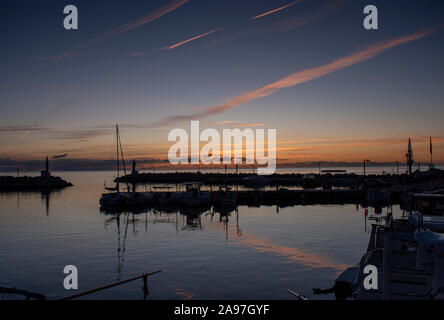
(432, 178)
(39, 183)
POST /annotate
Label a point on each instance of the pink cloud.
(303, 76)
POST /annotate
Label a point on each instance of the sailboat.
(117, 198)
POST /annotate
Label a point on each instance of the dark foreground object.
(48, 183)
(224, 309)
(28, 294)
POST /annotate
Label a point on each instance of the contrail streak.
(276, 10)
(175, 4)
(303, 76)
(325, 10)
(51, 112)
(145, 52)
(181, 43)
(194, 38)
(60, 56)
(288, 24)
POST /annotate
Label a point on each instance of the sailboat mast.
(117, 157)
(123, 159)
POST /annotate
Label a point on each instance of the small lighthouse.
(46, 172)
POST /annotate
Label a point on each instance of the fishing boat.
(409, 261)
(429, 211)
(118, 198)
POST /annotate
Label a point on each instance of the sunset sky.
(332, 90)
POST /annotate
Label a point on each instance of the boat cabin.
(429, 203)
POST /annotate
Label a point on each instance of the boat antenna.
(409, 156)
(431, 153)
(117, 157)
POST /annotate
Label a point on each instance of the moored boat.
(408, 254)
(194, 196)
(224, 197)
(118, 198)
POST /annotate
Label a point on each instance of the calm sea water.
(258, 253)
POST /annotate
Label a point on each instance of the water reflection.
(304, 246)
(198, 218)
(45, 197)
(191, 219)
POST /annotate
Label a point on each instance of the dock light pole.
(431, 153)
(365, 161)
(397, 167)
(409, 156)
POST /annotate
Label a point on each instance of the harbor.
(192, 245)
(222, 159)
(195, 189)
(400, 215)
(296, 188)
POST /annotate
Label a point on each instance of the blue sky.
(73, 102)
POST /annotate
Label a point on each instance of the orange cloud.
(303, 76)
(231, 123)
(276, 10)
